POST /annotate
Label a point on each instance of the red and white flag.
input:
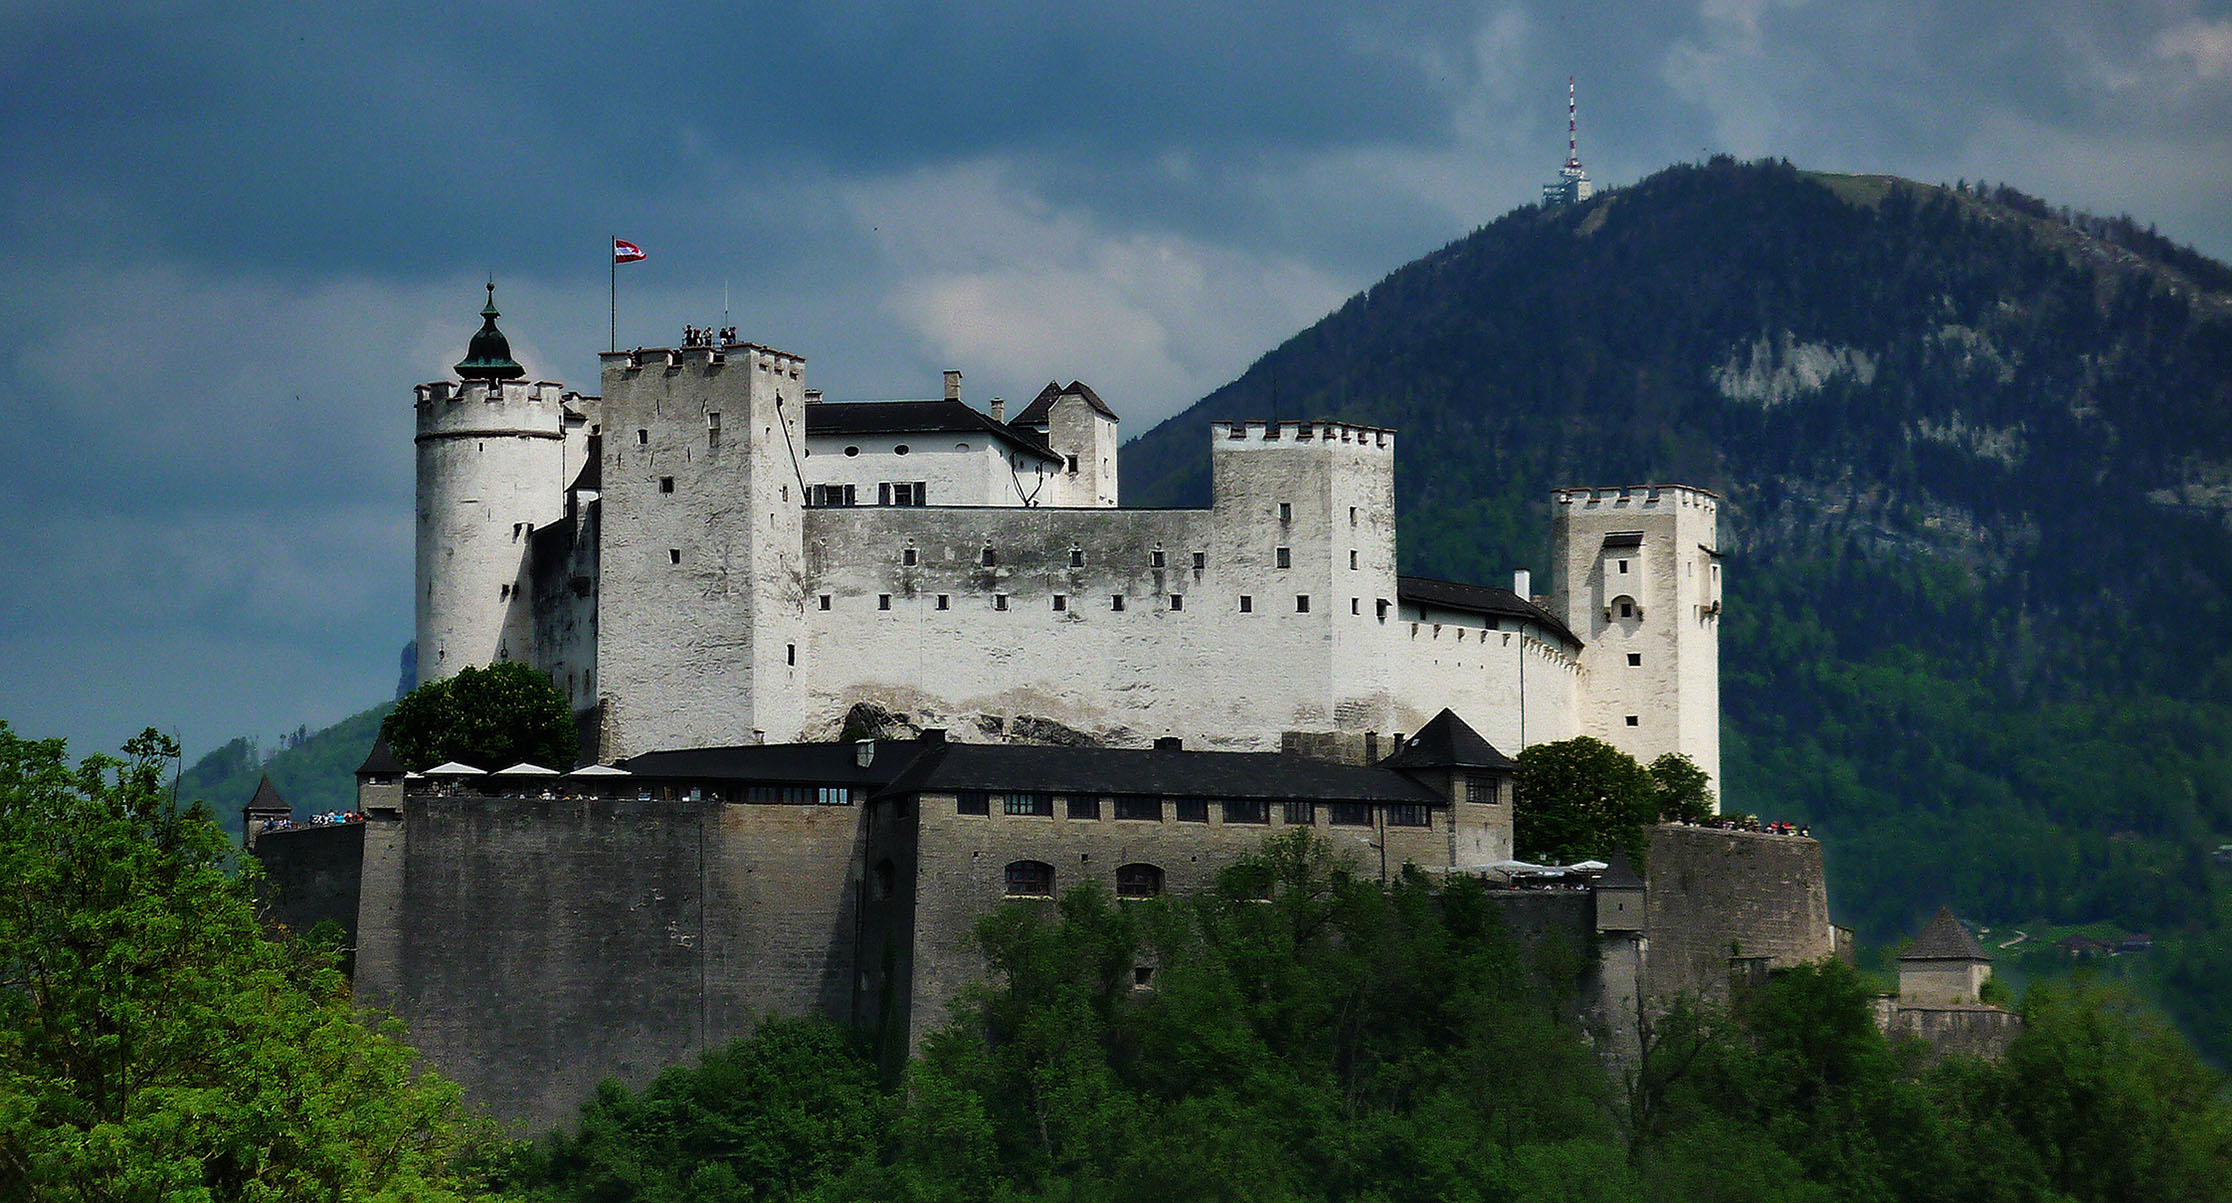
(624, 251)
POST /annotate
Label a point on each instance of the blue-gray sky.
(235, 235)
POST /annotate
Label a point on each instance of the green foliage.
(1581, 797)
(490, 718)
(781, 1115)
(153, 1044)
(314, 770)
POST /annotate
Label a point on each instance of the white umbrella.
(455, 769)
(598, 770)
(526, 769)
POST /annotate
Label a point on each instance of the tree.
(1681, 790)
(153, 1043)
(1578, 797)
(491, 718)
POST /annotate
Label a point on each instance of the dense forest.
(1977, 456)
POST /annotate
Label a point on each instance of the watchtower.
(491, 468)
(1636, 573)
(702, 573)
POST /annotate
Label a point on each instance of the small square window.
(1084, 806)
(1061, 603)
(1286, 557)
(1352, 515)
(1352, 561)
(1192, 810)
(1623, 565)
(1634, 720)
(1356, 605)
(1155, 558)
(989, 558)
(1116, 602)
(674, 555)
(944, 602)
(1177, 601)
(1200, 560)
(907, 558)
(1635, 659)
(972, 802)
(999, 601)
(1301, 603)
(1247, 604)
(1286, 511)
(1077, 557)
(824, 599)
(503, 592)
(666, 484)
(883, 601)
(790, 653)
(1383, 609)
(643, 438)
(1627, 609)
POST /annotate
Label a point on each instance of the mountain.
(1977, 456)
(315, 771)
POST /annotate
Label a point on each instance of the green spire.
(488, 356)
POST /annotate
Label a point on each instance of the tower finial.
(488, 356)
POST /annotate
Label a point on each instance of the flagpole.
(612, 309)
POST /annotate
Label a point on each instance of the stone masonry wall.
(1713, 894)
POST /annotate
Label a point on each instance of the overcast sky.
(236, 235)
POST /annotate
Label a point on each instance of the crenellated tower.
(491, 469)
(702, 579)
(1636, 573)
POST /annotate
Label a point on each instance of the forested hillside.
(313, 770)
(1977, 454)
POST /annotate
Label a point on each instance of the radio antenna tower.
(1572, 185)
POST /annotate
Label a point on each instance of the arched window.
(1138, 881)
(1030, 879)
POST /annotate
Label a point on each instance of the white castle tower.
(491, 469)
(1636, 573)
(702, 594)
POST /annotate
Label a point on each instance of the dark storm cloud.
(235, 235)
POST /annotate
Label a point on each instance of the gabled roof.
(837, 419)
(1035, 413)
(1478, 599)
(380, 761)
(1445, 742)
(1275, 776)
(1944, 940)
(267, 798)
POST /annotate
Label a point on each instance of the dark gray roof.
(1944, 940)
(1250, 775)
(838, 419)
(1624, 538)
(1446, 741)
(380, 761)
(1618, 873)
(267, 798)
(1035, 413)
(1478, 599)
(801, 764)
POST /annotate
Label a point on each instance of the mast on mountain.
(1572, 185)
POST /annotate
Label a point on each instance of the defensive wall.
(540, 945)
(312, 875)
(1714, 895)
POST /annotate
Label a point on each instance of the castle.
(1035, 688)
(711, 554)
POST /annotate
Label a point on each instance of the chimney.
(953, 385)
(1522, 583)
(999, 410)
(1170, 743)
(864, 752)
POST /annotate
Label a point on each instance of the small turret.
(488, 356)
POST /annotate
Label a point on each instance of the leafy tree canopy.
(1579, 797)
(490, 718)
(154, 1045)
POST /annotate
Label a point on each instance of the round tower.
(491, 459)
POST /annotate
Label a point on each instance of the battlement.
(703, 357)
(1640, 497)
(1317, 432)
(495, 392)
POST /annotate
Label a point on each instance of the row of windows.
(819, 497)
(1150, 808)
(805, 795)
(1060, 602)
(1035, 879)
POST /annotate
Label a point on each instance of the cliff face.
(1977, 454)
